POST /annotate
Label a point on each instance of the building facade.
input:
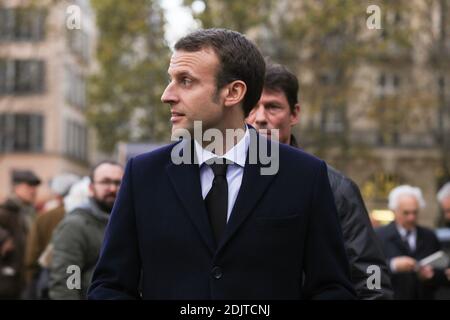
(46, 54)
(375, 102)
(392, 126)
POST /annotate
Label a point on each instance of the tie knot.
(218, 166)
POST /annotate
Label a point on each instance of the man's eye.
(186, 81)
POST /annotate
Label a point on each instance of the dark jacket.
(362, 246)
(407, 285)
(14, 221)
(283, 229)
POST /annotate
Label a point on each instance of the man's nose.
(169, 95)
(260, 116)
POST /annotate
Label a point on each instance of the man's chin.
(179, 130)
(106, 206)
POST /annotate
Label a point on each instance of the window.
(441, 83)
(333, 42)
(76, 140)
(332, 119)
(21, 132)
(21, 76)
(6, 24)
(78, 43)
(75, 88)
(378, 186)
(391, 21)
(388, 84)
(388, 138)
(22, 24)
(28, 76)
(4, 76)
(328, 78)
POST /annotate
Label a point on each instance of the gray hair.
(62, 183)
(405, 190)
(444, 192)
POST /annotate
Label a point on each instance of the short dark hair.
(98, 164)
(279, 78)
(239, 59)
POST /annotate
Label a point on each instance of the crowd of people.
(37, 249)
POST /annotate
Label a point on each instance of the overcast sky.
(179, 20)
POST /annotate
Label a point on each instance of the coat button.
(217, 273)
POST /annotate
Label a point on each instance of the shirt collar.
(403, 231)
(237, 154)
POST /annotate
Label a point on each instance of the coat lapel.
(397, 240)
(185, 179)
(252, 189)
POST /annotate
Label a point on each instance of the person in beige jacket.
(42, 230)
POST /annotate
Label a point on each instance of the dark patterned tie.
(406, 240)
(217, 200)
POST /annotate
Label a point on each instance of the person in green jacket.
(78, 238)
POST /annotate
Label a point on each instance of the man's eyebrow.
(273, 103)
(182, 73)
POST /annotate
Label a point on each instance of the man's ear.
(295, 115)
(234, 93)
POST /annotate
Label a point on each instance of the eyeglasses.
(107, 183)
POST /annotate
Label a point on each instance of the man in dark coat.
(279, 109)
(16, 217)
(405, 244)
(214, 230)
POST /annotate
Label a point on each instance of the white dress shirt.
(411, 238)
(235, 171)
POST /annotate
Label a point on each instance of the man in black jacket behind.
(278, 108)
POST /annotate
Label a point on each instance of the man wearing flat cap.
(16, 216)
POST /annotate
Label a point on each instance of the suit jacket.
(282, 240)
(407, 285)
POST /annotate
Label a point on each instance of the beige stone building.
(46, 50)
